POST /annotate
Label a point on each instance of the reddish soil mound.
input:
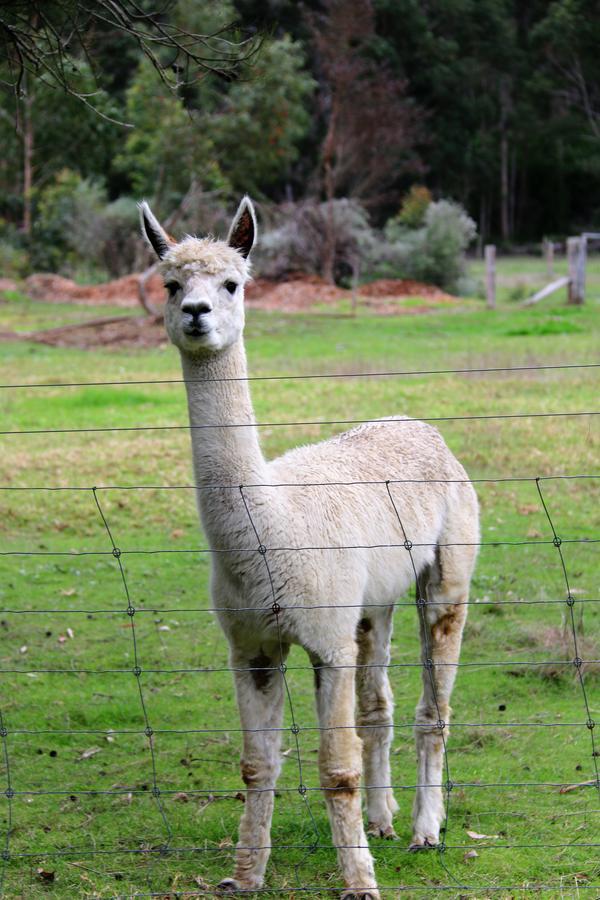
(120, 292)
(115, 332)
(7, 284)
(300, 292)
(393, 287)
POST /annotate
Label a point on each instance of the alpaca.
(335, 603)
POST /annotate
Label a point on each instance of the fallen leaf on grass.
(181, 797)
(567, 788)
(23, 649)
(177, 533)
(481, 837)
(70, 633)
(470, 854)
(68, 592)
(45, 876)
(527, 509)
(87, 754)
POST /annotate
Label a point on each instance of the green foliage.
(259, 128)
(65, 225)
(434, 253)
(14, 258)
(414, 206)
(166, 147)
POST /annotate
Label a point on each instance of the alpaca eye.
(172, 287)
(230, 286)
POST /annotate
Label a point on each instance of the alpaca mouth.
(195, 331)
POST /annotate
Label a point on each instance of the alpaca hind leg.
(260, 696)
(441, 621)
(376, 717)
(340, 768)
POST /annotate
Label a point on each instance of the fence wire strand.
(168, 847)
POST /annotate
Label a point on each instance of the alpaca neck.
(218, 395)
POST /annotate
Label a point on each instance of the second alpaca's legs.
(441, 623)
(260, 695)
(375, 717)
(340, 769)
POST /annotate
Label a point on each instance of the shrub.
(299, 239)
(66, 224)
(14, 259)
(414, 206)
(433, 253)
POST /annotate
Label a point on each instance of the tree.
(53, 132)
(167, 147)
(370, 121)
(46, 37)
(262, 120)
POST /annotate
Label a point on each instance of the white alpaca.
(336, 604)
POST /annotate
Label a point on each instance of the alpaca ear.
(242, 234)
(153, 232)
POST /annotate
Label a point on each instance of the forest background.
(493, 104)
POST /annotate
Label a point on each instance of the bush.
(77, 232)
(433, 253)
(118, 238)
(414, 206)
(299, 241)
(67, 223)
(14, 259)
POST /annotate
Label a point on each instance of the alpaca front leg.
(260, 694)
(441, 635)
(340, 760)
(375, 717)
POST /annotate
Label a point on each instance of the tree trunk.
(328, 257)
(27, 135)
(504, 162)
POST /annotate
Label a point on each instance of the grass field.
(79, 761)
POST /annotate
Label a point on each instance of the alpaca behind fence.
(364, 541)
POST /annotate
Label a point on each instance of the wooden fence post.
(549, 255)
(576, 255)
(490, 275)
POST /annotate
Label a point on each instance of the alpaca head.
(205, 278)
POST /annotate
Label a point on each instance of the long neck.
(218, 395)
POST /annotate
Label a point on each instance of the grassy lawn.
(79, 762)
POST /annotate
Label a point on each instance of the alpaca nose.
(196, 308)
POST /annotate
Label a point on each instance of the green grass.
(53, 719)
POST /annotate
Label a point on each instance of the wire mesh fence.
(125, 683)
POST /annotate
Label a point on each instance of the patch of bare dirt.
(399, 288)
(115, 332)
(7, 284)
(299, 293)
(120, 292)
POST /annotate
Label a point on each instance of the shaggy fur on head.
(208, 255)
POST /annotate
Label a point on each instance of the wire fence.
(168, 848)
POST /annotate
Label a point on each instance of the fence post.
(490, 275)
(549, 254)
(576, 254)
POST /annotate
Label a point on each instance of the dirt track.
(301, 293)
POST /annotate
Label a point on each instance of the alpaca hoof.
(228, 886)
(359, 895)
(382, 831)
(426, 843)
